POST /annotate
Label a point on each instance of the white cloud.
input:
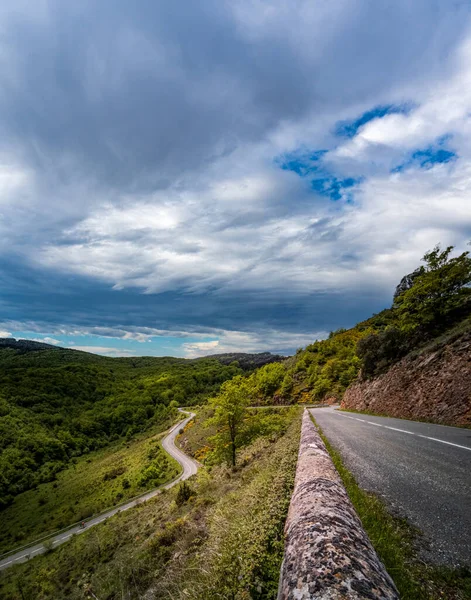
(443, 108)
(195, 349)
(5, 334)
(105, 351)
(241, 341)
(46, 340)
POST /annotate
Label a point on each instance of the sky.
(188, 178)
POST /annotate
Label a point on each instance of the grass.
(394, 541)
(196, 437)
(225, 541)
(90, 485)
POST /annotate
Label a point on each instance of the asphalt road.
(189, 465)
(422, 471)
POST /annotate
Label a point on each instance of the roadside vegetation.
(395, 541)
(219, 535)
(90, 484)
(207, 438)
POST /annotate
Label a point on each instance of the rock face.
(435, 386)
(328, 555)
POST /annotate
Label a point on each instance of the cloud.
(195, 349)
(105, 351)
(47, 340)
(234, 172)
(5, 334)
(350, 128)
(241, 341)
(222, 341)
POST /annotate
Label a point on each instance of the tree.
(434, 295)
(230, 413)
(378, 351)
(268, 379)
(407, 282)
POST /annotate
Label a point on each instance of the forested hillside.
(56, 404)
(429, 304)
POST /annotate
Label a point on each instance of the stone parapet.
(328, 555)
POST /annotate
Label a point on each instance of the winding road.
(189, 466)
(421, 470)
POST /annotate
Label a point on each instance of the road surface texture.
(422, 472)
(189, 465)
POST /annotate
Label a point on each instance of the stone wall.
(328, 555)
(435, 386)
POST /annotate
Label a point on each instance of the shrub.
(184, 494)
(116, 472)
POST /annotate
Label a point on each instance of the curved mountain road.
(189, 465)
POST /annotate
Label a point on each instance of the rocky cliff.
(434, 386)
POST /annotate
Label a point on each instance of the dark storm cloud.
(140, 93)
(48, 300)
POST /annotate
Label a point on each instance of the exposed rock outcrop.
(328, 555)
(434, 386)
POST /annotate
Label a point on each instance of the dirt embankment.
(434, 386)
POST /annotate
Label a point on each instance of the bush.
(116, 472)
(184, 494)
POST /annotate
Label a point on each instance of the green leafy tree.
(435, 295)
(269, 378)
(230, 414)
(378, 351)
(287, 385)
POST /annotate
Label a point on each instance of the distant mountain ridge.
(246, 361)
(27, 345)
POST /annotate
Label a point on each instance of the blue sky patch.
(426, 158)
(349, 128)
(309, 165)
(301, 163)
(333, 187)
(117, 347)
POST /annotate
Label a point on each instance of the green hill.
(58, 403)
